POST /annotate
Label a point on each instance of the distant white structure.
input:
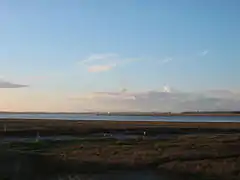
(144, 133)
(37, 137)
(166, 89)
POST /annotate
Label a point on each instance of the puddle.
(90, 137)
(43, 138)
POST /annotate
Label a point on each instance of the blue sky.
(84, 46)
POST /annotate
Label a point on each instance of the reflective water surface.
(75, 116)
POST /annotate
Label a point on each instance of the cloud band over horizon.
(164, 101)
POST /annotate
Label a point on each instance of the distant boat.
(109, 113)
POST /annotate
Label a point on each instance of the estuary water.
(75, 116)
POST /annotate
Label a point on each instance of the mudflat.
(51, 126)
(185, 150)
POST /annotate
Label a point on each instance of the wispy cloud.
(122, 95)
(104, 62)
(99, 57)
(6, 84)
(166, 60)
(204, 53)
(100, 68)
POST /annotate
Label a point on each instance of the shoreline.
(237, 113)
(126, 122)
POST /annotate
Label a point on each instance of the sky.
(126, 55)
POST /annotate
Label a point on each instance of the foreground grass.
(204, 150)
(207, 156)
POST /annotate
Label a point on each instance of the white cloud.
(99, 57)
(104, 62)
(6, 84)
(166, 60)
(100, 68)
(204, 53)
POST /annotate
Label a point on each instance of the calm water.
(122, 118)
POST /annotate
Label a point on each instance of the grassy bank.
(211, 153)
